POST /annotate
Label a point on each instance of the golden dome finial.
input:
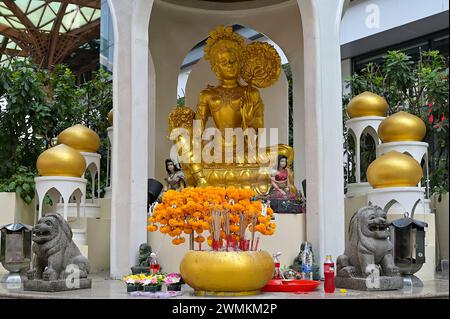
(81, 138)
(367, 104)
(402, 126)
(61, 160)
(394, 169)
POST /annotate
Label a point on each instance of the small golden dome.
(61, 160)
(402, 126)
(394, 169)
(110, 117)
(81, 138)
(367, 104)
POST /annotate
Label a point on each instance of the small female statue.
(175, 180)
(281, 187)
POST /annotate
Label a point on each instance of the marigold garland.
(189, 212)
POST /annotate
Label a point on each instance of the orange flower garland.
(189, 212)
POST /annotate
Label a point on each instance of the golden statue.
(233, 105)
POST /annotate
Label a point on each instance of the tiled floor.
(103, 287)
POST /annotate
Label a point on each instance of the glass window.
(436, 41)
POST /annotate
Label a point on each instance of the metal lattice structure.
(49, 32)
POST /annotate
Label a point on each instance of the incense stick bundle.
(243, 223)
(227, 229)
(216, 229)
(257, 243)
(253, 231)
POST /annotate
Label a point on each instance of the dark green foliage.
(39, 105)
(22, 182)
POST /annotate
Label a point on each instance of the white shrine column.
(131, 86)
(323, 127)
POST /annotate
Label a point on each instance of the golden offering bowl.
(61, 160)
(221, 273)
(80, 138)
(367, 104)
(402, 126)
(394, 169)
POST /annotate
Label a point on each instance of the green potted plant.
(173, 282)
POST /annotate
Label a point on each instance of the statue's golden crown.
(221, 33)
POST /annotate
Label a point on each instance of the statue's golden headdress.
(260, 63)
(222, 38)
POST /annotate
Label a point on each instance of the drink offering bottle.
(276, 261)
(328, 270)
(307, 262)
(154, 266)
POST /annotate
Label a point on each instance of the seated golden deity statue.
(232, 105)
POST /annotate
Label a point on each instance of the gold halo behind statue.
(262, 65)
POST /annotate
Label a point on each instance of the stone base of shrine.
(56, 285)
(366, 284)
(103, 287)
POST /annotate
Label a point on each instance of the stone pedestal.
(140, 270)
(56, 285)
(366, 284)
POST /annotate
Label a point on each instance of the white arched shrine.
(317, 88)
(357, 127)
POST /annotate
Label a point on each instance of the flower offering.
(215, 215)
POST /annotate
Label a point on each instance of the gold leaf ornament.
(261, 65)
(181, 117)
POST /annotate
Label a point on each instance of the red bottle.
(328, 271)
(154, 266)
(277, 271)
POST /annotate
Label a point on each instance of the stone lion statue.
(368, 244)
(54, 250)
